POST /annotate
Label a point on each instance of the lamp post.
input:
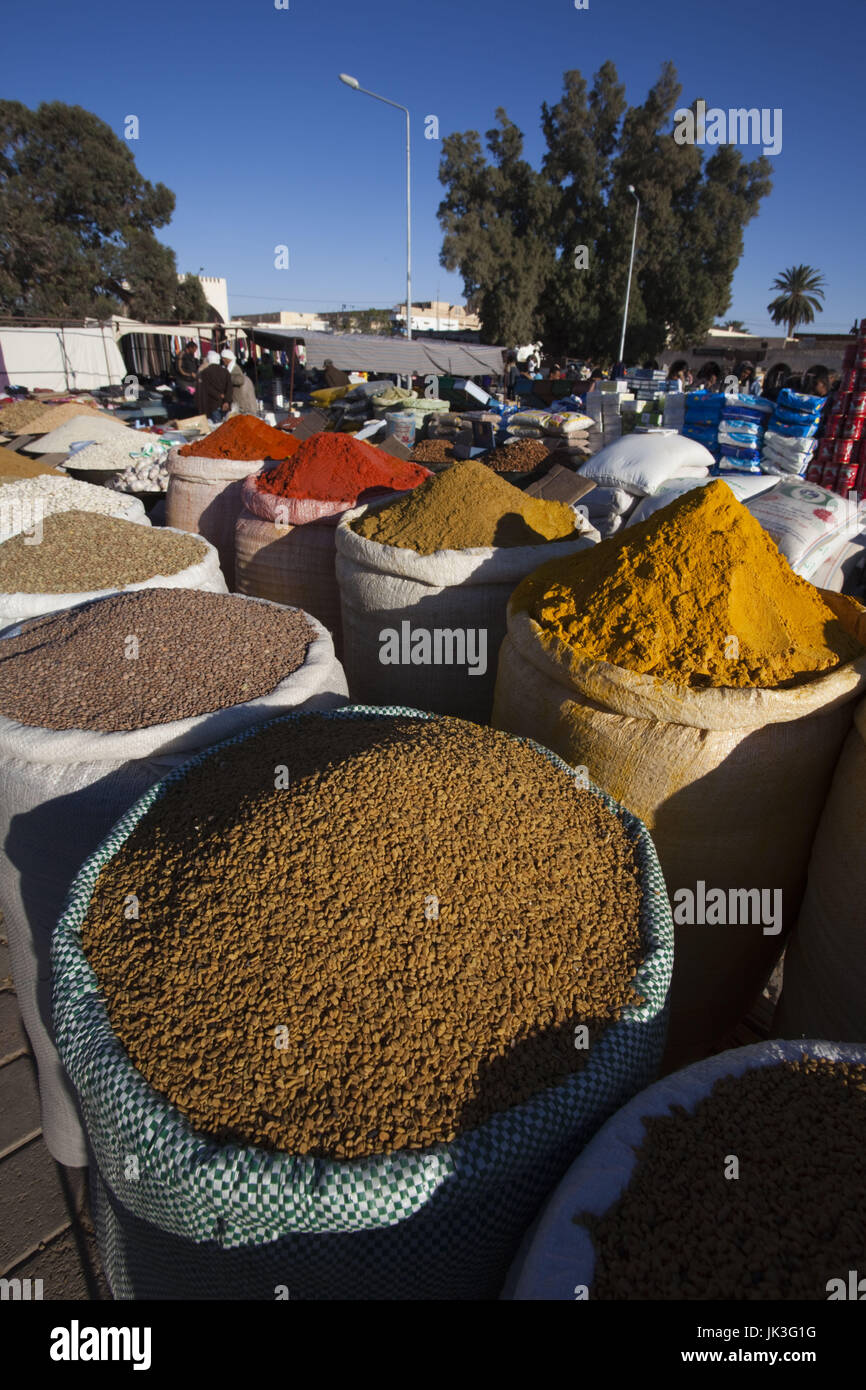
(630, 265)
(356, 86)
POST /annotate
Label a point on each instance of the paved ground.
(45, 1227)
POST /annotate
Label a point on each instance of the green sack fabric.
(180, 1215)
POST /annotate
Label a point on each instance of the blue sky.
(242, 116)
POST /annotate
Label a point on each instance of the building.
(437, 316)
(286, 318)
(808, 355)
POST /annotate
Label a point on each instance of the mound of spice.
(465, 507)
(242, 437)
(82, 551)
(434, 980)
(73, 670)
(520, 457)
(38, 417)
(338, 468)
(698, 595)
(788, 1223)
(13, 465)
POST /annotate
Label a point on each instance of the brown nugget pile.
(791, 1221)
(433, 451)
(380, 954)
(520, 457)
(84, 551)
(148, 657)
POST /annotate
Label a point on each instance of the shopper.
(243, 392)
(333, 376)
(213, 395)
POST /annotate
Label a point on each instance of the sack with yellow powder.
(425, 580)
(709, 689)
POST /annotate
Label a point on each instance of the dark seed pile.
(520, 457)
(313, 910)
(433, 451)
(789, 1223)
(80, 551)
(147, 657)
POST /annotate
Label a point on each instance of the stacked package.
(568, 428)
(703, 418)
(840, 462)
(790, 440)
(741, 434)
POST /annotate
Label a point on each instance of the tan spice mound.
(377, 957)
(38, 417)
(790, 1222)
(463, 508)
(665, 598)
(82, 551)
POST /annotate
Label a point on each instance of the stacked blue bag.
(790, 442)
(741, 433)
(703, 417)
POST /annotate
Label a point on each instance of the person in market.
(186, 366)
(333, 376)
(243, 391)
(511, 374)
(746, 378)
(213, 395)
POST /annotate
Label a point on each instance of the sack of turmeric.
(709, 689)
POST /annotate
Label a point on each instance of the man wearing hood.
(243, 391)
(213, 395)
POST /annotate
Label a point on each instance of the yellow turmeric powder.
(698, 595)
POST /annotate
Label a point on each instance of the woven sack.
(204, 497)
(193, 1218)
(729, 782)
(560, 1256)
(824, 988)
(60, 793)
(384, 586)
(205, 575)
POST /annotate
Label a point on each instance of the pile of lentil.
(13, 465)
(242, 437)
(317, 971)
(462, 508)
(663, 598)
(72, 670)
(338, 468)
(434, 451)
(791, 1220)
(24, 500)
(37, 417)
(520, 457)
(82, 551)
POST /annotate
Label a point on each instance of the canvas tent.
(60, 358)
(361, 352)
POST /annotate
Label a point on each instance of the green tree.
(515, 234)
(801, 291)
(77, 219)
(190, 301)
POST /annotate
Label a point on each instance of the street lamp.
(356, 87)
(630, 265)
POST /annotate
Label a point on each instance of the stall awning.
(361, 352)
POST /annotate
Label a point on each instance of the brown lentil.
(80, 551)
(791, 1220)
(520, 457)
(312, 909)
(195, 653)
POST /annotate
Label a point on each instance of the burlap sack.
(824, 989)
(730, 784)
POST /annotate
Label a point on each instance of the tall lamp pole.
(356, 86)
(630, 266)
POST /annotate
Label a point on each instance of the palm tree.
(801, 290)
(734, 326)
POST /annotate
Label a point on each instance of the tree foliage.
(515, 232)
(801, 287)
(77, 220)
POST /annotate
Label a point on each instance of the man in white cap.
(213, 395)
(243, 391)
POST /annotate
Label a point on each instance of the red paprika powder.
(338, 468)
(243, 437)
